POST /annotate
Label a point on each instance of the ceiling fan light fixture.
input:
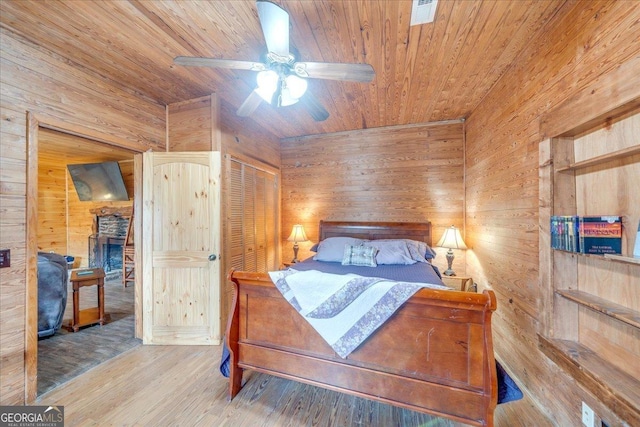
(267, 84)
(285, 99)
(297, 86)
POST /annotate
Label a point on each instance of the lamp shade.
(297, 234)
(451, 239)
(267, 84)
(297, 86)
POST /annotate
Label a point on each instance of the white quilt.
(344, 309)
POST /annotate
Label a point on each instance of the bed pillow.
(391, 252)
(420, 251)
(361, 255)
(430, 253)
(332, 248)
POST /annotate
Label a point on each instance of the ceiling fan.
(281, 79)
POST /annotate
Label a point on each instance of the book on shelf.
(564, 233)
(600, 235)
(589, 234)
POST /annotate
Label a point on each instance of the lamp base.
(295, 253)
(449, 271)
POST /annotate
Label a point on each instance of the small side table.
(463, 283)
(89, 316)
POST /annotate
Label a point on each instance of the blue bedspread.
(420, 272)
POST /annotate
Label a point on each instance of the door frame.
(34, 123)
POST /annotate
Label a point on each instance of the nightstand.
(286, 265)
(463, 283)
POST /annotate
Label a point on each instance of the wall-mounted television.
(98, 181)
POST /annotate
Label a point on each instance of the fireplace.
(106, 252)
(106, 243)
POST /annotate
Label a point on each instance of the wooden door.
(253, 218)
(181, 248)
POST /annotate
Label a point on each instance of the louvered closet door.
(253, 217)
(267, 220)
(235, 217)
(259, 220)
(249, 219)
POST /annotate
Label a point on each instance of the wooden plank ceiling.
(424, 73)
(64, 148)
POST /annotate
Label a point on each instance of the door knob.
(212, 257)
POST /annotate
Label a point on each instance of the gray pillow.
(418, 250)
(391, 252)
(332, 248)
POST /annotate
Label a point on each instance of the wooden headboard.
(420, 231)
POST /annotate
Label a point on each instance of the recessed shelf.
(630, 151)
(583, 345)
(603, 306)
(610, 257)
(612, 386)
(622, 258)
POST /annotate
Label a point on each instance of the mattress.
(420, 272)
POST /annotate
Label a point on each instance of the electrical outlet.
(588, 416)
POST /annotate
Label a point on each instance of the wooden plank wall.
(582, 46)
(193, 125)
(62, 96)
(398, 173)
(52, 206)
(243, 139)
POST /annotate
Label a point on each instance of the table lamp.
(451, 239)
(297, 235)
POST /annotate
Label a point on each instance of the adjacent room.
(321, 213)
(83, 218)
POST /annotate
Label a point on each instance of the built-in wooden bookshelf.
(622, 258)
(629, 151)
(592, 326)
(603, 306)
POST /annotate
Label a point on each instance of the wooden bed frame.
(434, 355)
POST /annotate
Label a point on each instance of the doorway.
(57, 222)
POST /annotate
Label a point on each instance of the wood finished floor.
(181, 386)
(66, 355)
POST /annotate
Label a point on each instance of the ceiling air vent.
(423, 11)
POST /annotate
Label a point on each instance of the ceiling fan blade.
(249, 105)
(275, 27)
(335, 71)
(219, 63)
(313, 106)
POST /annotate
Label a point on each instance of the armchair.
(52, 292)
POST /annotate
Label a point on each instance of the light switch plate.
(5, 258)
(588, 416)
